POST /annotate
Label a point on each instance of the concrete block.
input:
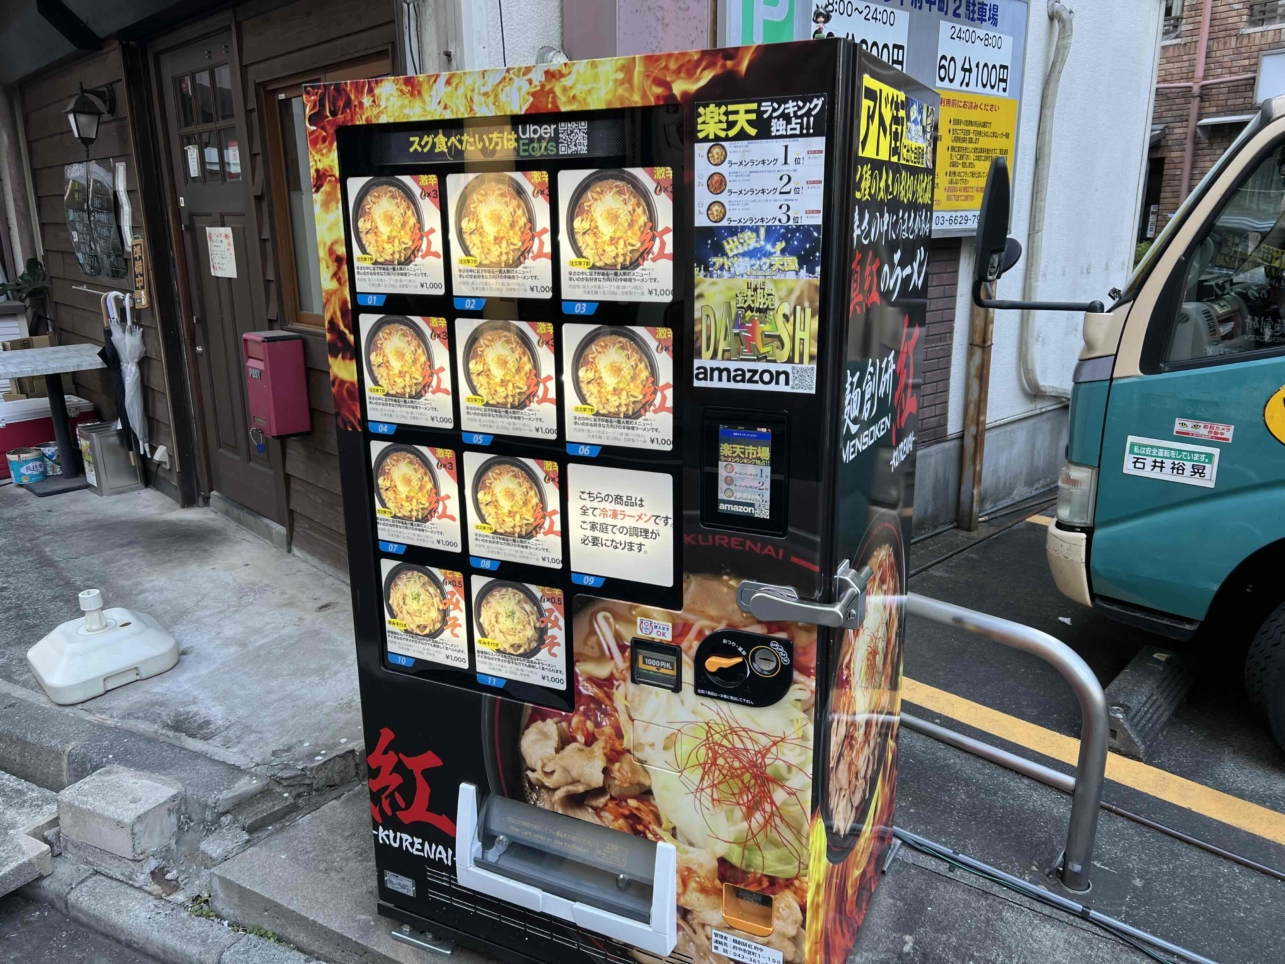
(22, 860)
(26, 808)
(255, 950)
(223, 843)
(136, 873)
(67, 875)
(148, 924)
(124, 812)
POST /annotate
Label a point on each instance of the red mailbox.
(276, 383)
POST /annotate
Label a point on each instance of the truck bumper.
(1068, 555)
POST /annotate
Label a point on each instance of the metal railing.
(1265, 13)
(1090, 770)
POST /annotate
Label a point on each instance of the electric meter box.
(622, 348)
(276, 382)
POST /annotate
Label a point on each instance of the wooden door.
(206, 141)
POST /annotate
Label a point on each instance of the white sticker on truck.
(1199, 428)
(747, 952)
(1171, 461)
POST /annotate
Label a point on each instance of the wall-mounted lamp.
(85, 112)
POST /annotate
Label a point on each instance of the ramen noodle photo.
(622, 385)
(515, 510)
(424, 614)
(408, 378)
(501, 367)
(406, 486)
(507, 370)
(519, 632)
(508, 500)
(494, 223)
(417, 499)
(399, 360)
(611, 224)
(388, 225)
(510, 619)
(729, 786)
(864, 701)
(613, 376)
(499, 238)
(716, 183)
(716, 211)
(716, 154)
(396, 241)
(616, 234)
(416, 600)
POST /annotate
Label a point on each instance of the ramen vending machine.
(625, 363)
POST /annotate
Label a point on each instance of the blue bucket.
(26, 465)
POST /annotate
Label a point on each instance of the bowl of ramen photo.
(716, 154)
(716, 183)
(509, 498)
(716, 211)
(863, 707)
(405, 484)
(615, 371)
(510, 615)
(416, 597)
(495, 221)
(500, 365)
(399, 357)
(613, 221)
(387, 221)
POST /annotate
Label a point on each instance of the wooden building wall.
(286, 42)
(77, 316)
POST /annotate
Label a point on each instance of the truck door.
(1192, 476)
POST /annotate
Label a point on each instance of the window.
(1233, 301)
(290, 180)
(1173, 19)
(203, 100)
(1266, 13)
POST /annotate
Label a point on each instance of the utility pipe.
(1197, 81)
(972, 453)
(1229, 79)
(1065, 17)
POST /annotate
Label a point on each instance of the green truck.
(1171, 504)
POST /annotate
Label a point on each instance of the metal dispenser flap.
(603, 880)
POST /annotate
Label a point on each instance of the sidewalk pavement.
(260, 722)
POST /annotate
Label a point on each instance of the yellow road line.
(1188, 794)
(1040, 519)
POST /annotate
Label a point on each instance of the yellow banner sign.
(887, 132)
(974, 128)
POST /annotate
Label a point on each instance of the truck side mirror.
(995, 252)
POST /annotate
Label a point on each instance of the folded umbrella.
(128, 338)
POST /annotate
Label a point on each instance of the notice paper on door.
(222, 254)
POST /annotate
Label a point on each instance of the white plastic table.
(53, 363)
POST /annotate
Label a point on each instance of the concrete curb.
(150, 925)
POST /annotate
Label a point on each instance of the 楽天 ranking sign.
(972, 52)
(760, 185)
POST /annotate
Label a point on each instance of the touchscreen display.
(745, 472)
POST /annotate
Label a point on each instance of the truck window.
(1233, 301)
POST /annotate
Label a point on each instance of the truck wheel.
(1265, 672)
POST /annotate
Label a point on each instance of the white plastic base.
(73, 665)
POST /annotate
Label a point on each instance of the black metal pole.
(68, 451)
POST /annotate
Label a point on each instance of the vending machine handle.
(781, 604)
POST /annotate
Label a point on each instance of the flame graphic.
(617, 82)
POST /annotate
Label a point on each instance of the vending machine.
(625, 357)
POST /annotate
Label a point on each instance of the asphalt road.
(32, 933)
(1151, 880)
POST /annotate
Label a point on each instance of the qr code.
(803, 378)
(573, 137)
